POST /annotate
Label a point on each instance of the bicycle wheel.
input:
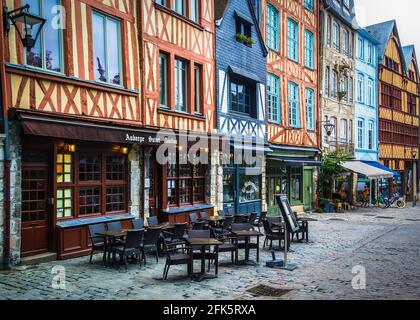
(401, 204)
(382, 203)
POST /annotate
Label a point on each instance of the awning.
(381, 166)
(244, 73)
(295, 162)
(369, 171)
(64, 128)
(251, 147)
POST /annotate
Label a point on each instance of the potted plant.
(244, 39)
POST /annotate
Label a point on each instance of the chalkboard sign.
(287, 213)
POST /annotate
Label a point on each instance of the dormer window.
(243, 30)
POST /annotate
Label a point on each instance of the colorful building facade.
(366, 108)
(291, 31)
(398, 104)
(241, 105)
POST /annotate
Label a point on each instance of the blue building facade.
(241, 102)
(366, 98)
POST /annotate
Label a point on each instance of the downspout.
(4, 130)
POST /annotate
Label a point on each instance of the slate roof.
(382, 32)
(408, 55)
(220, 8)
(338, 9)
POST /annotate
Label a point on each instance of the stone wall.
(135, 172)
(2, 198)
(15, 191)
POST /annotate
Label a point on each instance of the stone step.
(40, 258)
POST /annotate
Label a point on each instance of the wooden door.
(35, 215)
(154, 185)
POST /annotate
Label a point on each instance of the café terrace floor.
(385, 242)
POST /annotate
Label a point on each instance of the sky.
(405, 12)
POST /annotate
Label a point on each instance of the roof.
(382, 32)
(220, 7)
(348, 17)
(409, 52)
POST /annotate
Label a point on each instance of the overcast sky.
(406, 12)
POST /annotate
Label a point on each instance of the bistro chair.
(114, 226)
(252, 218)
(221, 213)
(273, 235)
(151, 242)
(152, 221)
(228, 243)
(303, 230)
(224, 229)
(204, 215)
(259, 222)
(199, 225)
(138, 224)
(98, 242)
(274, 220)
(193, 218)
(173, 258)
(131, 247)
(231, 211)
(241, 227)
(176, 236)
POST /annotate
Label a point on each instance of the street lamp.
(328, 126)
(29, 21)
(414, 155)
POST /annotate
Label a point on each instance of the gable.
(413, 68)
(393, 51)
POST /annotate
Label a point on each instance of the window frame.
(272, 78)
(293, 104)
(275, 29)
(308, 107)
(309, 58)
(292, 42)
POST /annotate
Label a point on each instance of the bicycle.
(381, 202)
(395, 199)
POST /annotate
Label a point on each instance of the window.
(370, 93)
(328, 32)
(106, 48)
(100, 188)
(336, 35)
(334, 90)
(163, 79)
(273, 98)
(47, 52)
(360, 87)
(272, 28)
(411, 104)
(346, 42)
(250, 188)
(310, 109)
(370, 135)
(327, 81)
(343, 131)
(240, 96)
(351, 89)
(360, 48)
(198, 89)
(180, 7)
(194, 10)
(309, 49)
(344, 87)
(360, 133)
(333, 121)
(391, 97)
(351, 131)
(392, 64)
(292, 40)
(185, 184)
(370, 53)
(295, 184)
(180, 85)
(294, 116)
(309, 4)
(243, 31)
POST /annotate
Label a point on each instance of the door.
(35, 215)
(308, 197)
(154, 185)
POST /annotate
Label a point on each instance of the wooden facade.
(399, 110)
(287, 70)
(46, 206)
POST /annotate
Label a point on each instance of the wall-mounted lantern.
(28, 21)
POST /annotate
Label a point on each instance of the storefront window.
(100, 186)
(228, 189)
(249, 187)
(295, 183)
(185, 184)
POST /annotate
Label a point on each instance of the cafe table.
(163, 226)
(248, 234)
(111, 237)
(203, 243)
(213, 220)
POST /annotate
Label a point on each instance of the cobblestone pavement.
(386, 243)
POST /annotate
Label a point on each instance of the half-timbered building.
(291, 34)
(178, 86)
(70, 106)
(398, 104)
(241, 105)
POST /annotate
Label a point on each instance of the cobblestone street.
(386, 243)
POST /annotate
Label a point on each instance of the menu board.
(287, 213)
